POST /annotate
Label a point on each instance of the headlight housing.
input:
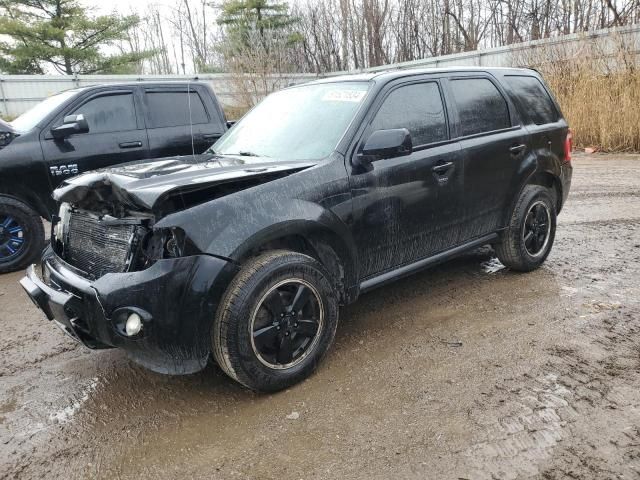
(166, 243)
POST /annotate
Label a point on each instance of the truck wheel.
(529, 237)
(21, 235)
(276, 321)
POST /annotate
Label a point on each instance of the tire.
(520, 248)
(266, 285)
(21, 235)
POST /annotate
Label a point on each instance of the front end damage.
(111, 278)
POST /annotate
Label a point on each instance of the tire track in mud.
(558, 423)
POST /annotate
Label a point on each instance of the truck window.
(534, 100)
(171, 109)
(481, 106)
(109, 113)
(419, 109)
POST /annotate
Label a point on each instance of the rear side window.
(171, 109)
(535, 102)
(481, 106)
(109, 113)
(419, 109)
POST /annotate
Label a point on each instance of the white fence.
(20, 92)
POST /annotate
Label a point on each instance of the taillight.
(568, 146)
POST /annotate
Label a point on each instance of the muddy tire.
(276, 321)
(529, 237)
(21, 235)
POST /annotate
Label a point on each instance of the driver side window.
(109, 113)
(418, 108)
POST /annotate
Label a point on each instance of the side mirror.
(72, 124)
(386, 144)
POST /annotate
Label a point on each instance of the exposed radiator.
(97, 247)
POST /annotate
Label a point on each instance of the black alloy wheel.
(286, 322)
(536, 228)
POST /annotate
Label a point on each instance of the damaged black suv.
(321, 192)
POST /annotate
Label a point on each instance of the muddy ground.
(465, 371)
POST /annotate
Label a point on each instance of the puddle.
(65, 414)
(492, 266)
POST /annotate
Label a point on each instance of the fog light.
(133, 325)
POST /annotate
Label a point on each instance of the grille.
(97, 247)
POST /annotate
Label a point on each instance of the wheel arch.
(534, 173)
(25, 196)
(309, 238)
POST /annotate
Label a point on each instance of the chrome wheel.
(536, 229)
(287, 324)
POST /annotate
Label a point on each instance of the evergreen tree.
(243, 18)
(59, 34)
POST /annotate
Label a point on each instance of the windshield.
(300, 123)
(32, 117)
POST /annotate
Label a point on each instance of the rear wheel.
(276, 321)
(528, 240)
(21, 235)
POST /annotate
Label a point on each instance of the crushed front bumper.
(177, 299)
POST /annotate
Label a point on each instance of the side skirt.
(379, 280)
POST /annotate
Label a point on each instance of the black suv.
(321, 192)
(89, 128)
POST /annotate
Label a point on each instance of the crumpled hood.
(143, 184)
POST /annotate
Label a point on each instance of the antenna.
(193, 148)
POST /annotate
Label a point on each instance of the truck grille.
(97, 247)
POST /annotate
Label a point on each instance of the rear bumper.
(176, 298)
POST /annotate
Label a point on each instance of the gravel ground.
(465, 371)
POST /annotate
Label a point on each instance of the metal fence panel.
(18, 93)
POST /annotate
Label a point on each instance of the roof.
(387, 75)
(167, 83)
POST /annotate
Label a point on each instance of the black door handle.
(517, 149)
(442, 167)
(210, 136)
(130, 144)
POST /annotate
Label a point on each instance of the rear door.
(539, 114)
(180, 120)
(493, 145)
(407, 208)
(116, 134)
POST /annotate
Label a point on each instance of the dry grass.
(597, 84)
(602, 109)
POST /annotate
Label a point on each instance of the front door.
(116, 135)
(407, 208)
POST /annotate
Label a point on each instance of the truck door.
(178, 121)
(116, 135)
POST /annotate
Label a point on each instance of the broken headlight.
(165, 243)
(6, 138)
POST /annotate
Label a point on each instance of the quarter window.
(534, 100)
(109, 113)
(481, 107)
(419, 109)
(172, 109)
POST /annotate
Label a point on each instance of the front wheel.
(528, 240)
(276, 321)
(21, 235)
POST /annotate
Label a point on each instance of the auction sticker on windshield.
(344, 96)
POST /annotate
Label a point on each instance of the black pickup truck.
(86, 129)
